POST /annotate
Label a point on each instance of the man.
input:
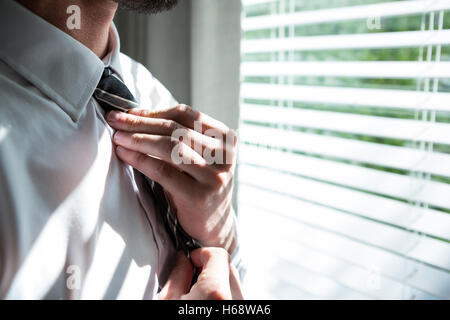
(76, 220)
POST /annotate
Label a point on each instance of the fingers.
(132, 123)
(173, 180)
(213, 283)
(179, 281)
(218, 280)
(184, 115)
(211, 260)
(168, 149)
(215, 262)
(165, 127)
(215, 148)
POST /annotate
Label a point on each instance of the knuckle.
(217, 180)
(138, 159)
(217, 294)
(143, 112)
(186, 137)
(217, 252)
(137, 139)
(171, 145)
(174, 143)
(183, 108)
(224, 253)
(214, 290)
(229, 155)
(207, 286)
(163, 170)
(169, 125)
(134, 122)
(232, 137)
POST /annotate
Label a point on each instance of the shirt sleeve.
(237, 259)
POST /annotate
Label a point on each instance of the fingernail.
(118, 136)
(119, 149)
(113, 116)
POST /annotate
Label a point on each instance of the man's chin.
(147, 6)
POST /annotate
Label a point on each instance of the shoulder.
(150, 92)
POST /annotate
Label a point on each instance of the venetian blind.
(344, 165)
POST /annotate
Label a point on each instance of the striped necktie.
(112, 94)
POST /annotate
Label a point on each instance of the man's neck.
(95, 17)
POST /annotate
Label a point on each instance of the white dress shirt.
(74, 221)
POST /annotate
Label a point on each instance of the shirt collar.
(112, 59)
(61, 67)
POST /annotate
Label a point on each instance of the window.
(344, 165)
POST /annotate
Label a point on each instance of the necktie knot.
(112, 94)
(107, 72)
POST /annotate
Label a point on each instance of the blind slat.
(364, 69)
(350, 41)
(255, 2)
(351, 123)
(387, 98)
(388, 9)
(352, 150)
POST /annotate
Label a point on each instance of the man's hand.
(217, 280)
(200, 185)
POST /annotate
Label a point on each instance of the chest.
(78, 219)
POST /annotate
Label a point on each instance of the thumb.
(179, 282)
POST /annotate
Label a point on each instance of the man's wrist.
(226, 237)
